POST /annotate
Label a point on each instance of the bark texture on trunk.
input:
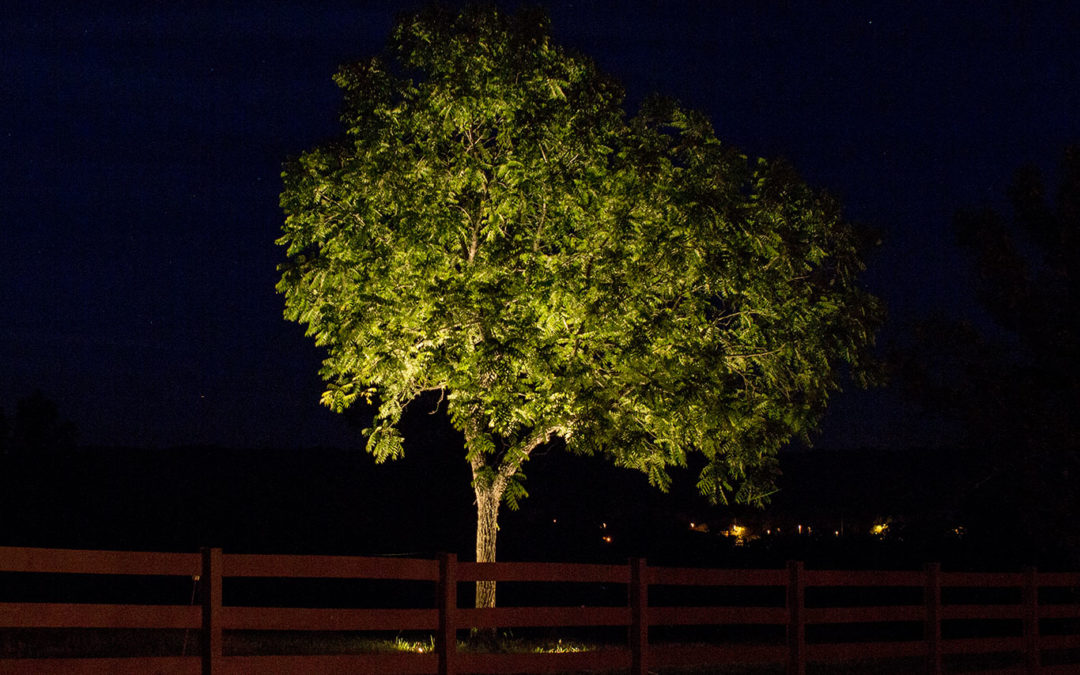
(487, 529)
(489, 486)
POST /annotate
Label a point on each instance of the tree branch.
(512, 461)
(540, 227)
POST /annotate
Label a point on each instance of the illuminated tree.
(491, 226)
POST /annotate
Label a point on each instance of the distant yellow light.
(879, 529)
(739, 532)
(607, 540)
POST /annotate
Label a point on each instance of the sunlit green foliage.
(492, 225)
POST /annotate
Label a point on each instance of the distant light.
(739, 532)
(603, 526)
(607, 540)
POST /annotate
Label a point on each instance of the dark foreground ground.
(110, 643)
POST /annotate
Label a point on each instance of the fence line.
(1033, 613)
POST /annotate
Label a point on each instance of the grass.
(90, 643)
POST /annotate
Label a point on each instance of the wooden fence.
(1046, 614)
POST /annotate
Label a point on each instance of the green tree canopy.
(493, 226)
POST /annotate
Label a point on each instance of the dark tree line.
(1010, 381)
(36, 428)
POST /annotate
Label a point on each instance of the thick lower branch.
(511, 464)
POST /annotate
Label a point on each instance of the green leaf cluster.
(492, 225)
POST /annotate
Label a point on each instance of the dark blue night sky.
(142, 145)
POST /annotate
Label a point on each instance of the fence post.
(932, 627)
(796, 601)
(212, 635)
(1031, 619)
(446, 638)
(639, 617)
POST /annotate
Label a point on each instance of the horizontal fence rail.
(1040, 610)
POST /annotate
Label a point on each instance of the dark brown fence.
(1044, 612)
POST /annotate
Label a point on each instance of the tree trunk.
(488, 497)
(489, 487)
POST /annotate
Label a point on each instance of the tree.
(1010, 383)
(4, 430)
(492, 227)
(37, 428)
